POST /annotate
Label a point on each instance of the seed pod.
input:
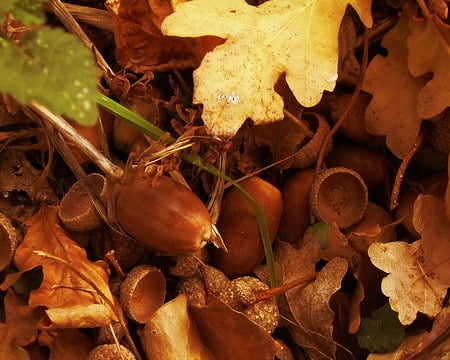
(163, 214)
(339, 195)
(239, 229)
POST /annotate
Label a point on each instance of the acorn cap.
(142, 292)
(339, 195)
(76, 210)
(111, 352)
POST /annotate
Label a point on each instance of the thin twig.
(84, 145)
(355, 95)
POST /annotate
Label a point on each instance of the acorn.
(295, 218)
(162, 214)
(239, 229)
(366, 161)
(354, 127)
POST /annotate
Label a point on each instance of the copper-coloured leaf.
(432, 224)
(392, 110)
(140, 44)
(428, 52)
(230, 335)
(171, 333)
(61, 286)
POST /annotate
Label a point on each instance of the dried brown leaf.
(393, 108)
(230, 335)
(61, 287)
(432, 224)
(312, 315)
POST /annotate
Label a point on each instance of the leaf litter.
(225, 63)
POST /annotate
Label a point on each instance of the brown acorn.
(366, 161)
(339, 195)
(162, 214)
(295, 218)
(239, 229)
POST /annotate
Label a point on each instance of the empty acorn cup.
(8, 241)
(142, 292)
(339, 195)
(76, 211)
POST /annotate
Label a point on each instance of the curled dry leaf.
(140, 44)
(312, 317)
(230, 335)
(61, 287)
(428, 52)
(8, 241)
(236, 80)
(386, 77)
(171, 333)
(409, 289)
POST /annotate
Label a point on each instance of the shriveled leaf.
(230, 335)
(381, 332)
(432, 224)
(10, 350)
(26, 11)
(55, 69)
(171, 333)
(428, 53)
(313, 318)
(392, 110)
(140, 44)
(236, 80)
(70, 341)
(409, 288)
(61, 287)
(22, 320)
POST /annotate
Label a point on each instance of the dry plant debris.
(276, 94)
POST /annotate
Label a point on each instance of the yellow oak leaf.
(428, 49)
(393, 108)
(235, 81)
(409, 288)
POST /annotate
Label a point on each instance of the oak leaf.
(393, 110)
(409, 289)
(236, 80)
(61, 287)
(428, 50)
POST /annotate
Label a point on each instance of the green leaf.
(382, 332)
(26, 11)
(54, 69)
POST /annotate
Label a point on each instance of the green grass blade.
(155, 133)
